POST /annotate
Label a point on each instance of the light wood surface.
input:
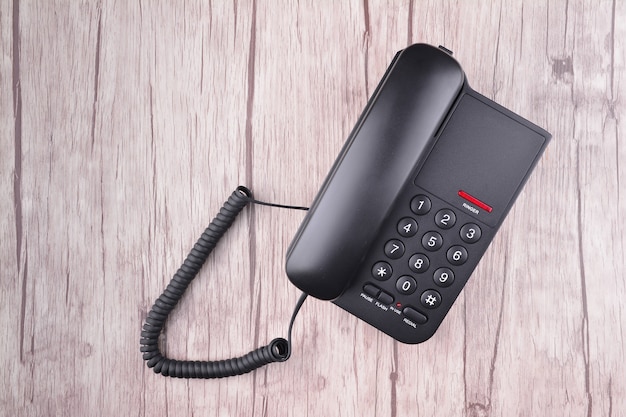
(125, 125)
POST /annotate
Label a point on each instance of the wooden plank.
(125, 126)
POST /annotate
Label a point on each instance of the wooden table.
(125, 125)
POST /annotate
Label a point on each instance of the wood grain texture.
(125, 125)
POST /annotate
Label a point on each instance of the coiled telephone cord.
(278, 350)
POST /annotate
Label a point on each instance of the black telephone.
(416, 195)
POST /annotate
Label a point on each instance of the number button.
(394, 249)
(456, 255)
(443, 277)
(407, 227)
(419, 263)
(420, 205)
(406, 285)
(381, 271)
(432, 241)
(470, 233)
(430, 299)
(445, 218)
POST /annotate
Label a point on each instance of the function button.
(406, 285)
(420, 205)
(381, 271)
(432, 241)
(419, 263)
(445, 218)
(414, 315)
(430, 299)
(407, 227)
(372, 290)
(443, 277)
(457, 255)
(470, 233)
(385, 298)
(378, 294)
(394, 249)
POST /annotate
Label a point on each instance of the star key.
(381, 271)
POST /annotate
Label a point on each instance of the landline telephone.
(410, 206)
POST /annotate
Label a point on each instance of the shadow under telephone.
(415, 197)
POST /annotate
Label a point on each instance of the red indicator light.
(475, 201)
(398, 305)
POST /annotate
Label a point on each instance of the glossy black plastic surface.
(391, 139)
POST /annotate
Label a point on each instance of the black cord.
(278, 350)
(263, 203)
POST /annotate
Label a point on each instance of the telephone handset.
(414, 198)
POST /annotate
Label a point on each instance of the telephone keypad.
(425, 261)
(421, 260)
